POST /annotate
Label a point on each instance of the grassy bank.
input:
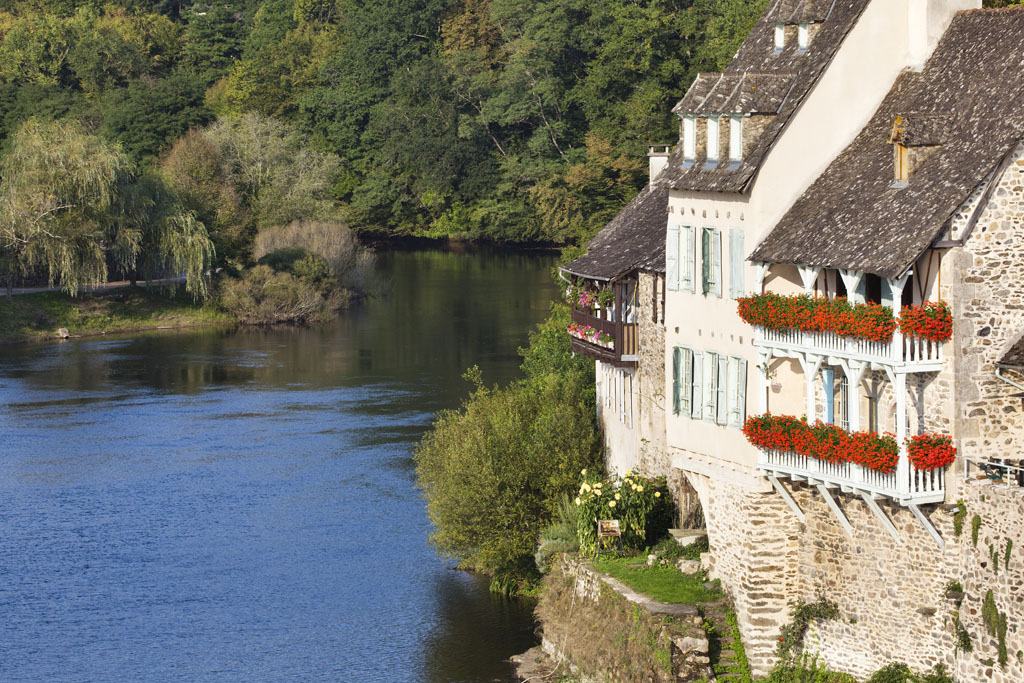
(36, 317)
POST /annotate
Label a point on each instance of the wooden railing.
(914, 353)
(906, 485)
(625, 336)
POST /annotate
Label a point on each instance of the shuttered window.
(709, 389)
(688, 257)
(711, 261)
(682, 380)
(735, 138)
(737, 391)
(722, 396)
(737, 263)
(697, 387)
(713, 139)
(672, 257)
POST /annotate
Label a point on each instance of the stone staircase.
(726, 663)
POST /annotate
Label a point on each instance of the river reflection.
(239, 505)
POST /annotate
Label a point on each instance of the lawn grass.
(664, 583)
(34, 317)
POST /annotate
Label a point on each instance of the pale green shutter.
(737, 391)
(737, 286)
(716, 263)
(672, 258)
(677, 372)
(686, 383)
(696, 401)
(710, 388)
(721, 397)
(705, 260)
(686, 256)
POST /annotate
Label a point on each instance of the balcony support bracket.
(836, 510)
(788, 498)
(926, 523)
(882, 518)
(809, 275)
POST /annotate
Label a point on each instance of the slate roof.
(1014, 355)
(920, 130)
(799, 11)
(756, 58)
(633, 240)
(853, 217)
(730, 93)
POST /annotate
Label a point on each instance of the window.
(709, 386)
(901, 163)
(803, 36)
(688, 254)
(689, 138)
(737, 264)
(709, 390)
(672, 257)
(713, 134)
(780, 38)
(735, 138)
(679, 258)
(828, 382)
(843, 402)
(711, 262)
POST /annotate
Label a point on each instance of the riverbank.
(39, 316)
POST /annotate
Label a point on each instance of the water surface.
(224, 506)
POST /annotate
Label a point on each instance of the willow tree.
(69, 200)
(59, 185)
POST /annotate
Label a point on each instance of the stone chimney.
(658, 157)
(927, 21)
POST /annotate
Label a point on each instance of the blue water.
(240, 505)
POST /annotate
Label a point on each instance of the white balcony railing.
(910, 353)
(912, 488)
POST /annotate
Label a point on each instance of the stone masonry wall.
(1001, 512)
(650, 374)
(984, 282)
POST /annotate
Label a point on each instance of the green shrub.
(303, 264)
(791, 637)
(896, 672)
(642, 505)
(560, 535)
(494, 472)
(959, 517)
(806, 669)
(975, 527)
(263, 297)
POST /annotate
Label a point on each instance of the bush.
(806, 669)
(560, 535)
(305, 265)
(263, 297)
(350, 263)
(642, 505)
(494, 472)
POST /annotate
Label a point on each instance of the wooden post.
(903, 468)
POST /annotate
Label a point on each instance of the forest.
(140, 138)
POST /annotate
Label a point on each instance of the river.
(240, 506)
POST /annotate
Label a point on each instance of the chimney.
(927, 21)
(658, 156)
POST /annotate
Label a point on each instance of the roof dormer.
(797, 21)
(914, 137)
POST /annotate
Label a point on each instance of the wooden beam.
(836, 510)
(788, 498)
(926, 523)
(886, 522)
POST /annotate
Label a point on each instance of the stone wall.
(984, 282)
(1001, 512)
(653, 459)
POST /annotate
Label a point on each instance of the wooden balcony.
(901, 354)
(625, 344)
(907, 486)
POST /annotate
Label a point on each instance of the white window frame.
(803, 36)
(682, 380)
(736, 138)
(780, 37)
(689, 138)
(714, 137)
(711, 269)
(687, 259)
(737, 391)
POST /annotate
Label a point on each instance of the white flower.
(640, 489)
(611, 504)
(577, 500)
(618, 497)
(657, 494)
(583, 472)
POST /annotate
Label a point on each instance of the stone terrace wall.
(1002, 520)
(653, 460)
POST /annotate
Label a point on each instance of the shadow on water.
(240, 505)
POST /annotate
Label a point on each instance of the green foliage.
(642, 505)
(959, 517)
(791, 637)
(975, 527)
(661, 582)
(806, 669)
(993, 555)
(560, 535)
(954, 587)
(494, 472)
(264, 297)
(742, 666)
(961, 635)
(1006, 553)
(990, 613)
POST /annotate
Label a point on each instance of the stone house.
(859, 162)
